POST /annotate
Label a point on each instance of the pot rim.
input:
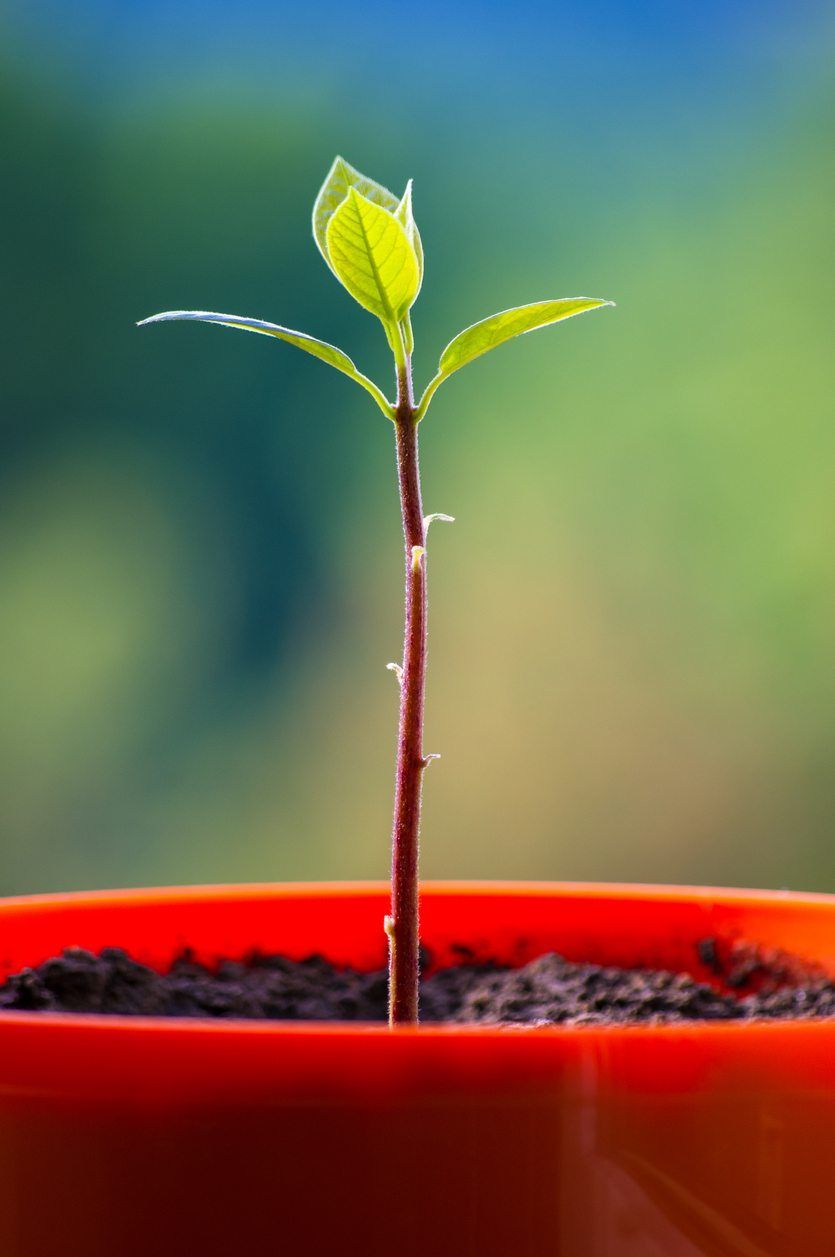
(194, 892)
(815, 903)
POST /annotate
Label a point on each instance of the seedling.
(369, 239)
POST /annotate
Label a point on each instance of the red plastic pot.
(122, 1137)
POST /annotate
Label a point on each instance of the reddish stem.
(403, 924)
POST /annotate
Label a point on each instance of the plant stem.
(402, 926)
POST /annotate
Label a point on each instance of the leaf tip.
(169, 316)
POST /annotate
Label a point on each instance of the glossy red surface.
(122, 1137)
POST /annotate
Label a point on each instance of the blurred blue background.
(200, 569)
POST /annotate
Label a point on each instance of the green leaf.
(481, 337)
(339, 180)
(372, 256)
(489, 333)
(310, 344)
(404, 215)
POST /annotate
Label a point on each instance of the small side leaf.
(372, 256)
(341, 177)
(489, 333)
(310, 344)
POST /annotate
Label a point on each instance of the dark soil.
(547, 990)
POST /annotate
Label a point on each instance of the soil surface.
(545, 991)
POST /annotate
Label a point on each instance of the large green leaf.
(481, 337)
(341, 177)
(373, 257)
(310, 344)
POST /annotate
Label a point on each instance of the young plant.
(369, 239)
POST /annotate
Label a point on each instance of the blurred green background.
(632, 620)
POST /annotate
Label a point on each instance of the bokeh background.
(633, 618)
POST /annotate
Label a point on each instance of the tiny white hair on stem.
(443, 519)
(397, 670)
